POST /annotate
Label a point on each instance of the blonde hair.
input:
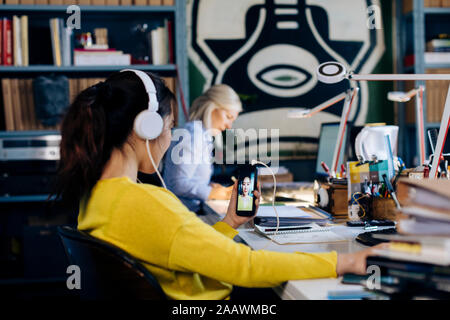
(218, 96)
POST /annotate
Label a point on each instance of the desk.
(316, 289)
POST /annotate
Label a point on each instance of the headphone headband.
(148, 124)
(153, 104)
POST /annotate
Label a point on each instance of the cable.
(183, 102)
(357, 202)
(273, 198)
(153, 163)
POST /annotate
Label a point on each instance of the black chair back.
(107, 272)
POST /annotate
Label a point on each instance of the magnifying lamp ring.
(331, 72)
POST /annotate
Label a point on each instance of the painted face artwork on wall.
(268, 50)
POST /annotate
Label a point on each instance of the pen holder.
(384, 209)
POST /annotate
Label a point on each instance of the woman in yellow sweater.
(105, 142)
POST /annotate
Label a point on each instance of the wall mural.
(268, 51)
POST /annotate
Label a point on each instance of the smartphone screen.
(246, 186)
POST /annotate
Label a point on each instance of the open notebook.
(311, 233)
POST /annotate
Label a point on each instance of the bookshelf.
(416, 23)
(115, 19)
(170, 68)
(22, 8)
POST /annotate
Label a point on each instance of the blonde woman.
(188, 163)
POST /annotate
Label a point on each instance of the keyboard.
(367, 239)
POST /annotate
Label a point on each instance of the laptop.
(327, 143)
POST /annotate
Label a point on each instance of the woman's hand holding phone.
(231, 217)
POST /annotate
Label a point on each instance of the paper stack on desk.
(426, 205)
(417, 260)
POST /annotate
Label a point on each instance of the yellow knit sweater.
(190, 259)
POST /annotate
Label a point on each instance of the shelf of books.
(37, 40)
(423, 47)
(85, 8)
(109, 68)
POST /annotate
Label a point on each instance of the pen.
(342, 171)
(391, 190)
(325, 168)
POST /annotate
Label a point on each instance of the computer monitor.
(327, 143)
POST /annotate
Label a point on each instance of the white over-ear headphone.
(148, 123)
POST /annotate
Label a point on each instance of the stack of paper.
(426, 204)
(418, 257)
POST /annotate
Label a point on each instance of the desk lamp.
(398, 96)
(349, 97)
(334, 72)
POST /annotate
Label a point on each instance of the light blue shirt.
(188, 164)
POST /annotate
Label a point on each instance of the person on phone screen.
(245, 200)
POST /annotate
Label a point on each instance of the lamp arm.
(349, 99)
(443, 130)
(325, 105)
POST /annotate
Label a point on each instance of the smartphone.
(247, 181)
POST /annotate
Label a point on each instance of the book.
(98, 2)
(432, 3)
(17, 42)
(436, 95)
(126, 2)
(73, 89)
(1, 41)
(438, 43)
(437, 57)
(97, 52)
(24, 39)
(27, 2)
(433, 250)
(56, 45)
(26, 116)
(16, 104)
(66, 40)
(423, 226)
(159, 44)
(84, 2)
(431, 194)
(140, 2)
(419, 267)
(111, 59)
(112, 2)
(56, 2)
(7, 46)
(35, 124)
(170, 42)
(155, 2)
(168, 2)
(7, 104)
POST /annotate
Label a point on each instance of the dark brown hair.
(101, 119)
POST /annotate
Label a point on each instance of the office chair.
(108, 272)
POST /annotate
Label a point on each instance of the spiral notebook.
(311, 233)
